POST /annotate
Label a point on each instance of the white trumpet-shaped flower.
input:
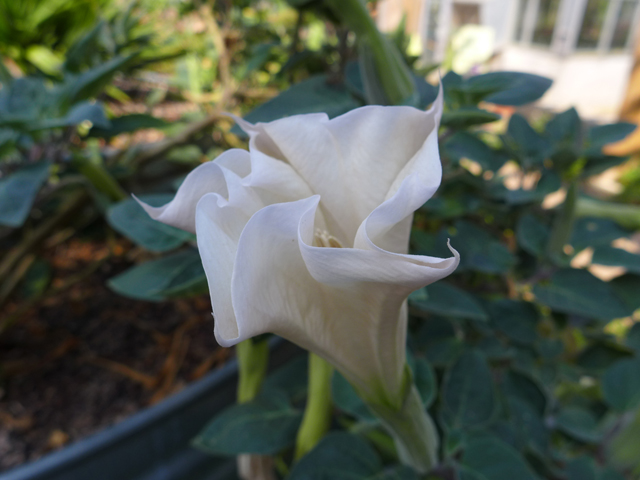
(265, 217)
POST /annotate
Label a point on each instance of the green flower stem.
(626, 215)
(563, 224)
(253, 358)
(413, 431)
(317, 414)
(100, 178)
(394, 74)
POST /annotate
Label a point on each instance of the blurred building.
(586, 46)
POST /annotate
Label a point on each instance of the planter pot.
(154, 443)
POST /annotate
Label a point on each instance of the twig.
(148, 381)
(173, 362)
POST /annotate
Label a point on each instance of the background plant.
(527, 361)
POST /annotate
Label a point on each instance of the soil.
(87, 358)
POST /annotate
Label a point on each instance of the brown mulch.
(88, 358)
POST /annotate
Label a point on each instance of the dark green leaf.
(523, 386)
(610, 474)
(621, 385)
(467, 117)
(129, 218)
(264, 426)
(626, 288)
(521, 88)
(449, 301)
(564, 128)
(88, 84)
(398, 472)
(452, 206)
(582, 468)
(492, 459)
(594, 232)
(530, 146)
(532, 235)
(529, 425)
(479, 251)
(22, 102)
(18, 191)
(466, 145)
(578, 292)
(549, 182)
(291, 378)
(310, 96)
(189, 282)
(338, 456)
(606, 255)
(78, 53)
(444, 351)
(602, 354)
(91, 111)
(633, 335)
(347, 400)
(128, 123)
(579, 424)
(147, 281)
(428, 93)
(425, 380)
(604, 134)
(468, 392)
(495, 349)
(517, 320)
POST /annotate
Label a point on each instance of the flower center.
(322, 238)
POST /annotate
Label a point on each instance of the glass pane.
(623, 24)
(592, 23)
(546, 21)
(522, 7)
(434, 12)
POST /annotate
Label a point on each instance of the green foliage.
(488, 458)
(178, 274)
(513, 354)
(18, 191)
(578, 292)
(128, 218)
(262, 426)
(469, 399)
(311, 96)
(444, 299)
(342, 456)
(501, 88)
(621, 385)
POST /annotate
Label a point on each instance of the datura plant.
(306, 236)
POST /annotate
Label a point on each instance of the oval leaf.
(468, 392)
(264, 426)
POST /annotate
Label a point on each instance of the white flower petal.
(346, 305)
(206, 178)
(351, 161)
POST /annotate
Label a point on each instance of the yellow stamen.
(322, 238)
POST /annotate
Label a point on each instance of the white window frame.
(569, 21)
